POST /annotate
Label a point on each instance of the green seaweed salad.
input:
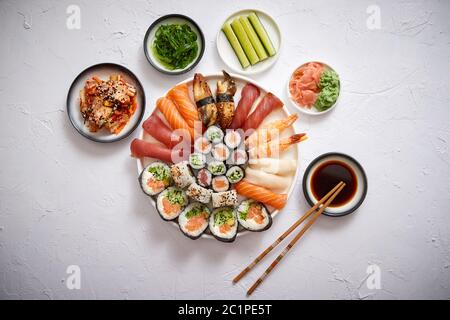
(175, 45)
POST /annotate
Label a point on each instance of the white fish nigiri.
(267, 180)
(274, 166)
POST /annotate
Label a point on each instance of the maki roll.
(253, 215)
(182, 174)
(193, 221)
(235, 174)
(239, 157)
(198, 193)
(220, 152)
(202, 145)
(232, 139)
(214, 134)
(227, 198)
(155, 178)
(171, 202)
(197, 160)
(217, 168)
(223, 224)
(204, 178)
(220, 184)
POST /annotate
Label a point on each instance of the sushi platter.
(209, 180)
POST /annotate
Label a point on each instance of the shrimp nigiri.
(270, 131)
(274, 148)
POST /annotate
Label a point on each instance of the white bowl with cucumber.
(249, 41)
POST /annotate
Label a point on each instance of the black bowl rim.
(126, 70)
(202, 40)
(355, 162)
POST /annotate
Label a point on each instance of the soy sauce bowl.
(150, 37)
(359, 194)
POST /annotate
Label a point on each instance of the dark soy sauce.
(328, 175)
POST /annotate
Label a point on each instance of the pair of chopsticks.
(323, 204)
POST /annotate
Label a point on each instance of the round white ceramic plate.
(291, 153)
(311, 111)
(228, 55)
(173, 19)
(103, 71)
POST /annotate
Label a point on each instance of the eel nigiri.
(246, 189)
(274, 148)
(170, 111)
(180, 96)
(249, 95)
(269, 103)
(270, 131)
(225, 103)
(140, 148)
(204, 100)
(155, 127)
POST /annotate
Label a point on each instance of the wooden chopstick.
(294, 241)
(285, 234)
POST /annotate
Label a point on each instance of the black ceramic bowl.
(150, 36)
(361, 188)
(103, 71)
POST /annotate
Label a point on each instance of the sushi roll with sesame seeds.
(171, 202)
(253, 215)
(223, 224)
(198, 193)
(226, 198)
(194, 220)
(182, 174)
(155, 178)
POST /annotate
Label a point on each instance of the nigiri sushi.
(155, 127)
(204, 100)
(264, 195)
(274, 148)
(269, 103)
(249, 94)
(173, 116)
(274, 166)
(267, 180)
(180, 96)
(270, 131)
(225, 103)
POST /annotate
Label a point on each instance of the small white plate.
(228, 55)
(311, 111)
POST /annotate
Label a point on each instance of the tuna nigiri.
(173, 116)
(270, 131)
(274, 148)
(155, 127)
(246, 189)
(269, 103)
(140, 148)
(180, 96)
(249, 95)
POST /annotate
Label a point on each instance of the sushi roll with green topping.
(235, 174)
(155, 178)
(232, 139)
(193, 221)
(220, 152)
(217, 168)
(214, 134)
(253, 215)
(197, 160)
(223, 224)
(171, 202)
(220, 184)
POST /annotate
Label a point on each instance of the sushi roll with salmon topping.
(235, 174)
(223, 224)
(197, 160)
(214, 134)
(182, 174)
(202, 145)
(220, 152)
(217, 168)
(193, 221)
(227, 198)
(198, 193)
(253, 216)
(232, 139)
(204, 178)
(155, 178)
(220, 184)
(171, 202)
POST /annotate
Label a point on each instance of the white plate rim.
(286, 110)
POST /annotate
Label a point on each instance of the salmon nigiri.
(274, 148)
(270, 131)
(180, 96)
(252, 191)
(170, 111)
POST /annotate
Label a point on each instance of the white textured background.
(65, 200)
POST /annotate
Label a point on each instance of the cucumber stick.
(257, 45)
(226, 28)
(259, 28)
(245, 41)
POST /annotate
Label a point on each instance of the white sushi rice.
(227, 198)
(198, 193)
(182, 174)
